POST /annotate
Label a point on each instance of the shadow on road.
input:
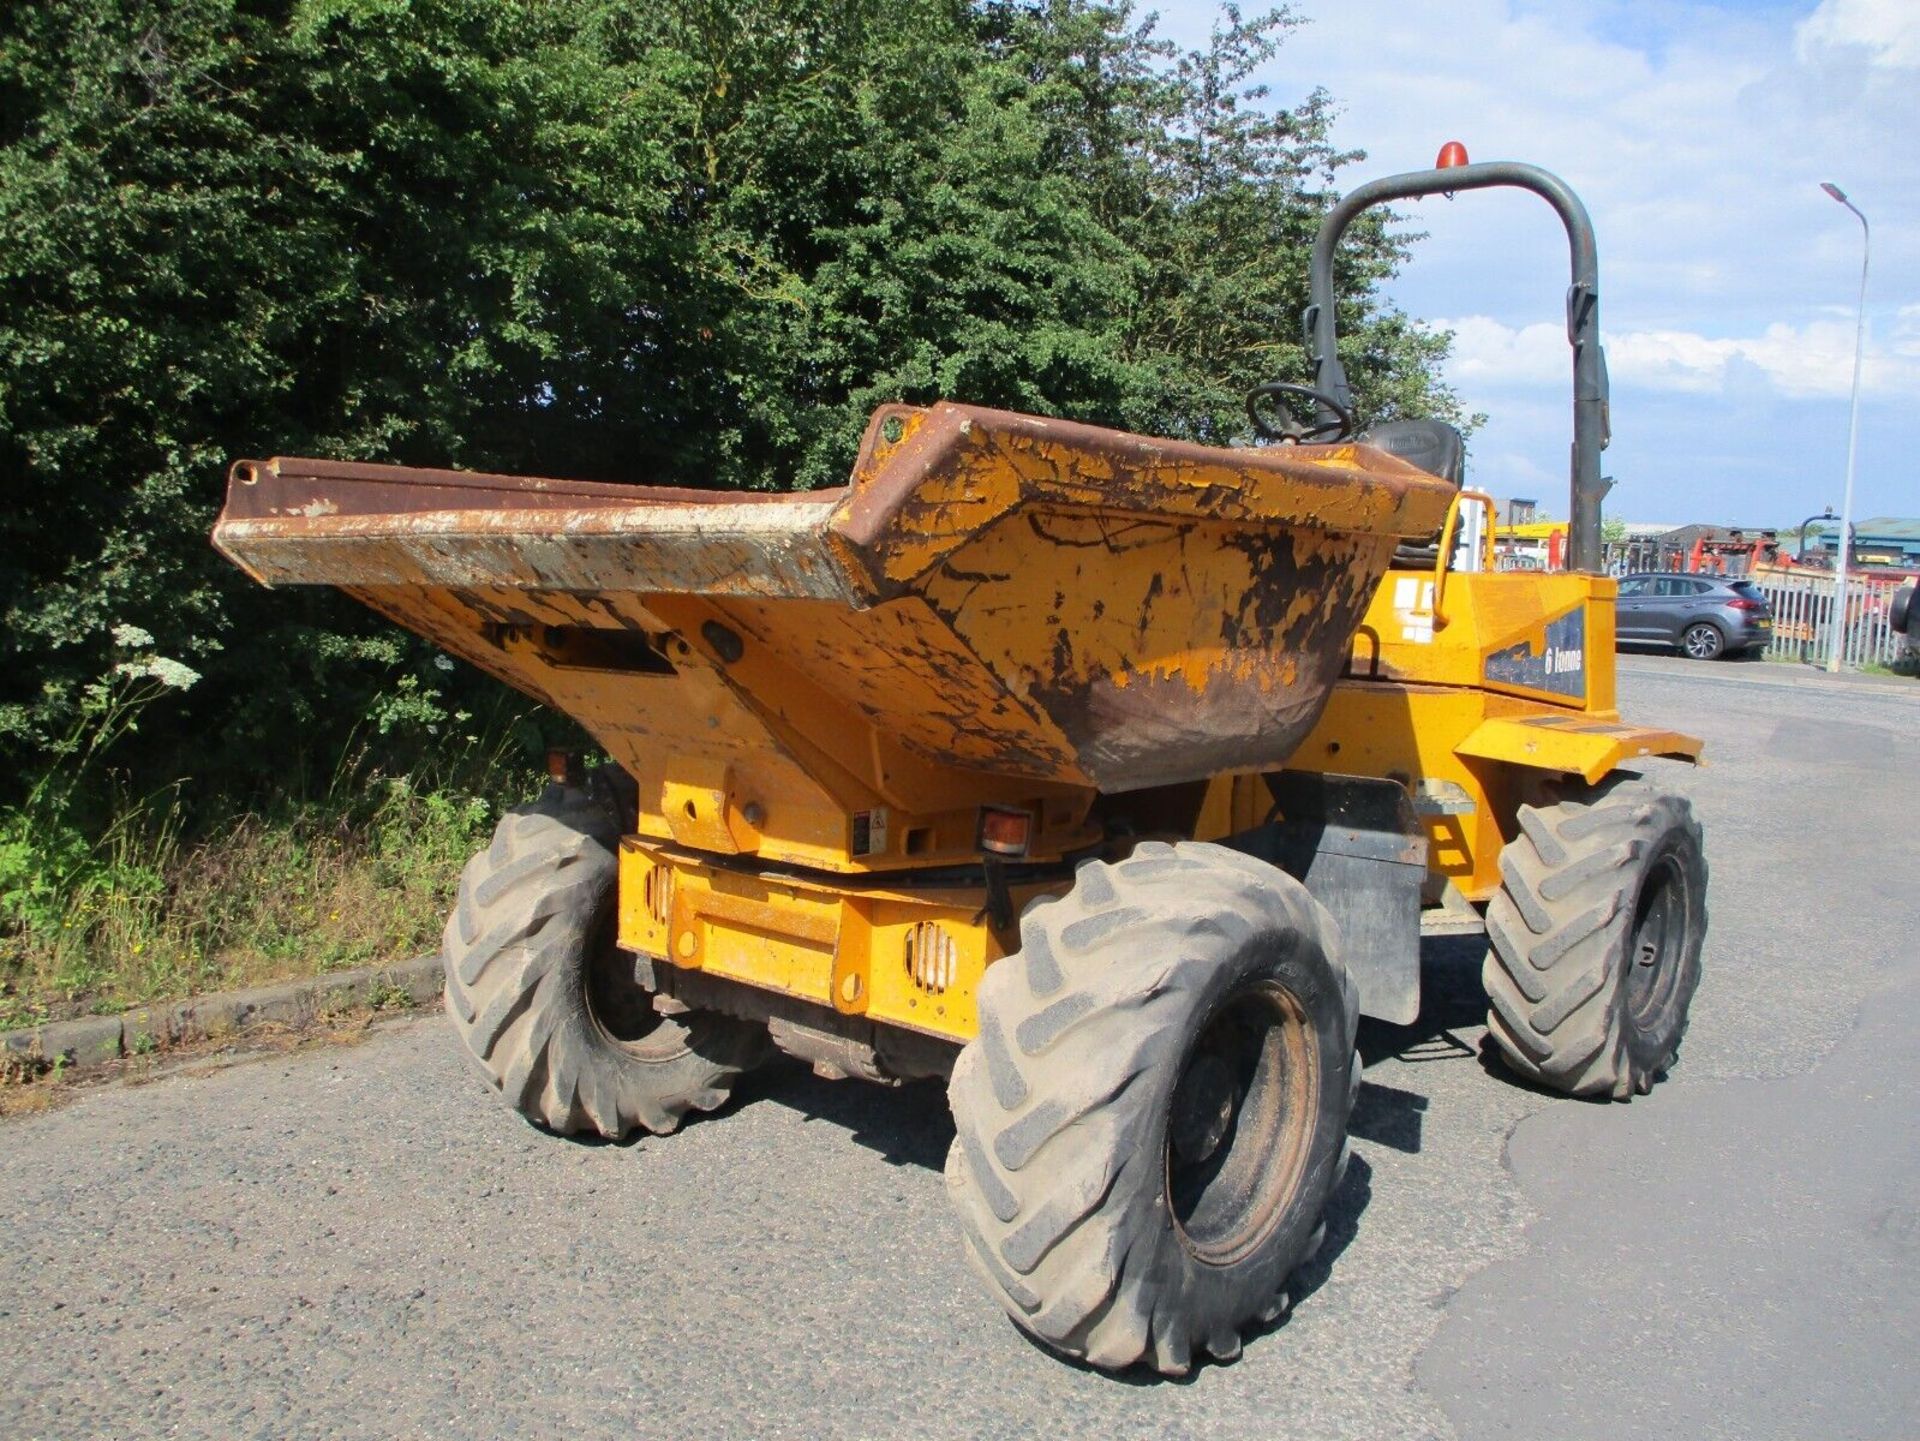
(911, 1126)
(908, 1125)
(1451, 999)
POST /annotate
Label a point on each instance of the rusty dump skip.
(1030, 603)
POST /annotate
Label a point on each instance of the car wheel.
(1703, 641)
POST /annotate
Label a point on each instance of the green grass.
(109, 899)
(1906, 665)
(325, 887)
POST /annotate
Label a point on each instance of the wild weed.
(154, 905)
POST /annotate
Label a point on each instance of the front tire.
(548, 1006)
(1154, 1112)
(1703, 640)
(1596, 935)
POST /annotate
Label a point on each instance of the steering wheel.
(1341, 427)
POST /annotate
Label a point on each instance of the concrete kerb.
(96, 1040)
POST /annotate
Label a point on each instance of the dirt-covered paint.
(997, 609)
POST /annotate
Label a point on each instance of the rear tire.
(1596, 936)
(1703, 640)
(548, 1006)
(1154, 1112)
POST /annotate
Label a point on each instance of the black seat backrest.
(1433, 445)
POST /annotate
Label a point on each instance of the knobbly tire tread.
(1057, 1171)
(1555, 971)
(531, 909)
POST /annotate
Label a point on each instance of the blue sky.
(1698, 136)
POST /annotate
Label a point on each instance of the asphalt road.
(360, 1242)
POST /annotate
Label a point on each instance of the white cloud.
(1796, 362)
(1697, 132)
(1888, 30)
(1488, 353)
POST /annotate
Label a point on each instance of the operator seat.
(1433, 445)
(1438, 449)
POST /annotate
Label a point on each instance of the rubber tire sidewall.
(535, 910)
(1232, 1294)
(1651, 1049)
(1161, 979)
(1590, 1045)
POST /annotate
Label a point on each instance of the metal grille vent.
(931, 958)
(659, 892)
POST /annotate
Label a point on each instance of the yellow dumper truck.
(1111, 779)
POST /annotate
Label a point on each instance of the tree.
(684, 241)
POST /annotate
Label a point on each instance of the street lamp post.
(1853, 437)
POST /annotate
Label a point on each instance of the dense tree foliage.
(654, 240)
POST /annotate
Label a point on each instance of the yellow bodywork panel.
(1495, 748)
(910, 958)
(1542, 636)
(1410, 733)
(1577, 745)
(1508, 679)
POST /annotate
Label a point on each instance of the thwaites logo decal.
(1560, 670)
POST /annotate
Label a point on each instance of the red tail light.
(1741, 603)
(1005, 832)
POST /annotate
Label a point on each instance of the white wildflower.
(443, 662)
(170, 673)
(131, 637)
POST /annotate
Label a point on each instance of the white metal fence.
(1803, 620)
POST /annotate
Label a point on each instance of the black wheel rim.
(1240, 1122)
(1662, 920)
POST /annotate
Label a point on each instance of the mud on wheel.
(1154, 1111)
(548, 1005)
(1596, 936)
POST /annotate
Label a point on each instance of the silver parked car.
(1705, 616)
